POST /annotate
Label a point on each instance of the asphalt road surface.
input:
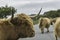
(39, 36)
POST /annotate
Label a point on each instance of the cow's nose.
(32, 34)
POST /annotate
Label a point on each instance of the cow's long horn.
(12, 14)
(40, 11)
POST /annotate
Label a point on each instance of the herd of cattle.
(21, 26)
(46, 22)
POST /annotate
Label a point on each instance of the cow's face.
(26, 28)
(23, 27)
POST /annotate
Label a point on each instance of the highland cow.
(20, 27)
(57, 28)
(53, 20)
(44, 23)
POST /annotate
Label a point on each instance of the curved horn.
(39, 12)
(37, 16)
(12, 14)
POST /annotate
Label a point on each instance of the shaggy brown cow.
(57, 28)
(53, 20)
(21, 26)
(44, 23)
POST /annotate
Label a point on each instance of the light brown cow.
(44, 23)
(57, 28)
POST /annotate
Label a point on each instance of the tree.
(6, 11)
(52, 13)
(1, 15)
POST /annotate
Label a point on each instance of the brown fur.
(19, 27)
(44, 23)
(57, 28)
(53, 20)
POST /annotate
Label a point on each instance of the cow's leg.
(56, 37)
(42, 30)
(47, 30)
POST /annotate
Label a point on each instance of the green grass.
(35, 22)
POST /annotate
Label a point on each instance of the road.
(39, 36)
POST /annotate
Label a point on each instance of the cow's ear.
(14, 21)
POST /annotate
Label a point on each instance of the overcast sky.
(32, 6)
